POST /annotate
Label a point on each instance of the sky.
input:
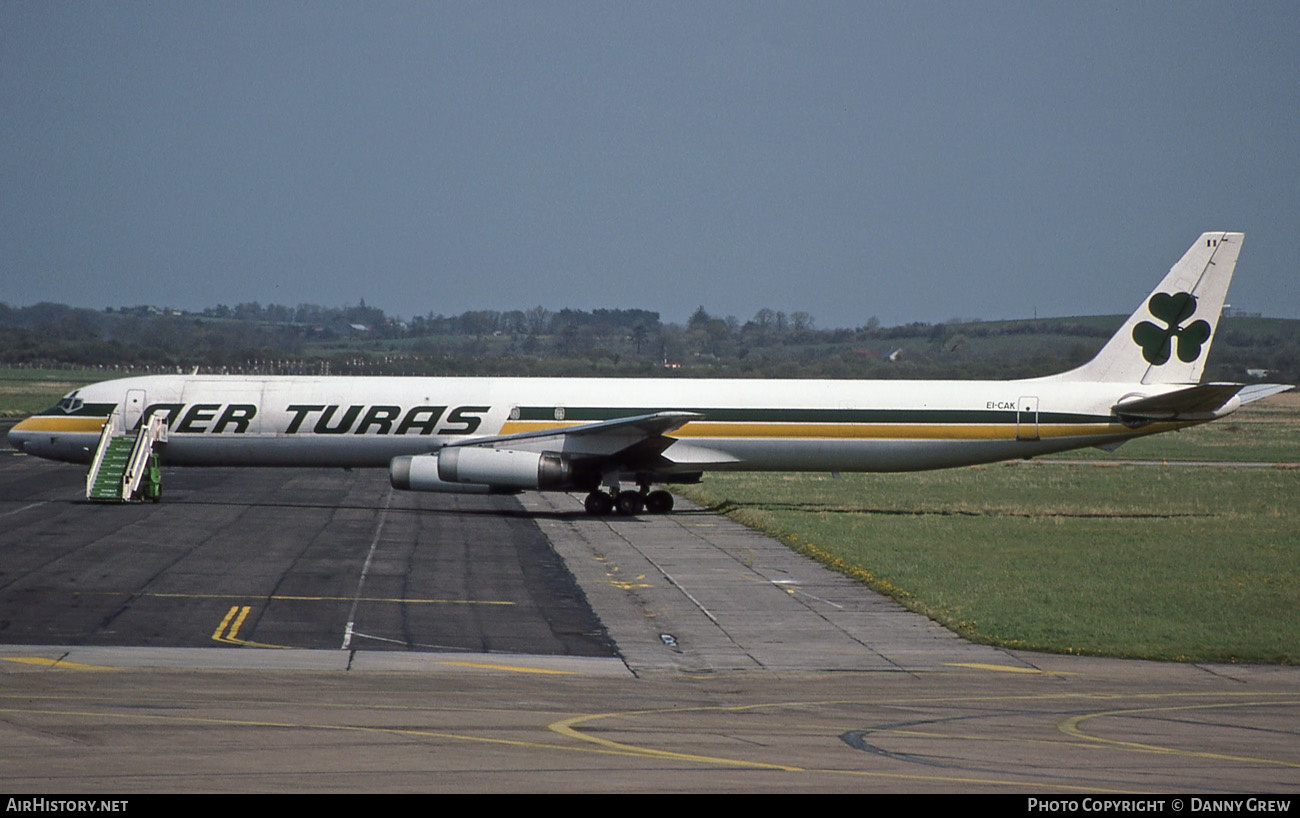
(909, 161)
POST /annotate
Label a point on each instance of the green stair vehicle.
(125, 467)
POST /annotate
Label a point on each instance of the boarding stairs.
(125, 466)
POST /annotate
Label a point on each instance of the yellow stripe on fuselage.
(871, 431)
(63, 425)
(744, 430)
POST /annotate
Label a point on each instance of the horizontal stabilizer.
(1202, 402)
(1259, 391)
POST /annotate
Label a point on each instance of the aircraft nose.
(19, 433)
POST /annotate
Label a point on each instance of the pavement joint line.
(365, 569)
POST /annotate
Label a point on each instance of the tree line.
(310, 339)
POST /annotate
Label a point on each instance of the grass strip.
(1188, 564)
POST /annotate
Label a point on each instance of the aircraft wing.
(602, 439)
(1203, 401)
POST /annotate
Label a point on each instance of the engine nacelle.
(420, 473)
(505, 468)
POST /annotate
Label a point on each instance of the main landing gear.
(629, 503)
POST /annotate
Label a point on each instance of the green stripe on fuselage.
(723, 415)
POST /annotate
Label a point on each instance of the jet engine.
(505, 468)
(420, 473)
(476, 470)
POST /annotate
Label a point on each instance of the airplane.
(594, 435)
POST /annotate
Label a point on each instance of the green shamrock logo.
(1173, 310)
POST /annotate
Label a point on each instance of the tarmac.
(286, 630)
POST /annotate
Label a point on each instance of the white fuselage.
(821, 425)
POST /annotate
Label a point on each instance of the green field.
(25, 391)
(1191, 563)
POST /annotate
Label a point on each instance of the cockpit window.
(70, 403)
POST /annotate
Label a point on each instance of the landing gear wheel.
(629, 503)
(598, 504)
(659, 502)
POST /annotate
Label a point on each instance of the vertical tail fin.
(1168, 339)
